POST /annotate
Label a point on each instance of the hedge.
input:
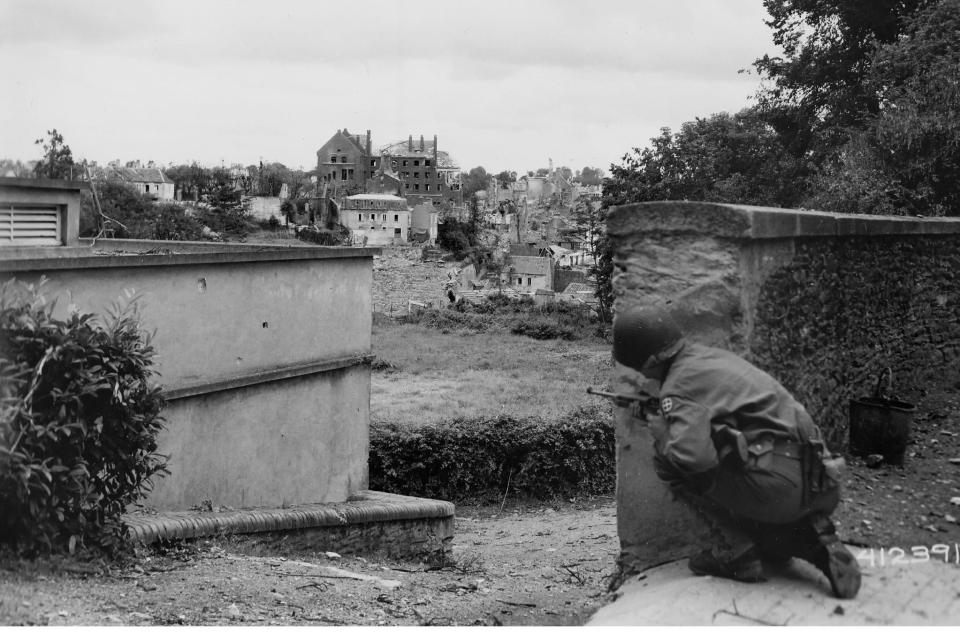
(483, 459)
(79, 418)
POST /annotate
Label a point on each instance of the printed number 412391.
(896, 555)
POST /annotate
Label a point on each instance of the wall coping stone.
(739, 221)
(128, 253)
(44, 183)
(365, 507)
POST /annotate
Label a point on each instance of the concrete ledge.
(758, 222)
(264, 376)
(365, 509)
(133, 253)
(798, 594)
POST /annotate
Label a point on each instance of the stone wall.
(824, 302)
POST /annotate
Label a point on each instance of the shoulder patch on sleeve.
(666, 404)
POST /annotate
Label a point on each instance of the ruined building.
(416, 170)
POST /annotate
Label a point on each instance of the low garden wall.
(824, 302)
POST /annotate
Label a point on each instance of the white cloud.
(504, 84)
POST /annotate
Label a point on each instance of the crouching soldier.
(738, 448)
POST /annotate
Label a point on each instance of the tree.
(14, 169)
(723, 158)
(130, 214)
(506, 177)
(816, 92)
(905, 157)
(477, 179)
(590, 176)
(193, 181)
(57, 157)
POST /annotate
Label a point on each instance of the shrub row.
(483, 459)
(521, 317)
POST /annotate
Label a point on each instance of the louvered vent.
(30, 226)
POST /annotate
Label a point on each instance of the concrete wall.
(824, 302)
(263, 208)
(260, 351)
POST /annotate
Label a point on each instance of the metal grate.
(30, 226)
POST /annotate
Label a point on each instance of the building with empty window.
(426, 172)
(378, 219)
(347, 165)
(528, 274)
(150, 181)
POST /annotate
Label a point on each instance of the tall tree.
(722, 158)
(477, 179)
(905, 157)
(57, 157)
(816, 91)
(590, 176)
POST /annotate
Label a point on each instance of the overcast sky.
(504, 84)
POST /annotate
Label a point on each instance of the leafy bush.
(541, 328)
(324, 236)
(449, 319)
(133, 215)
(78, 423)
(485, 458)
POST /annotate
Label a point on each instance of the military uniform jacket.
(706, 388)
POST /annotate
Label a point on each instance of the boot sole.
(842, 570)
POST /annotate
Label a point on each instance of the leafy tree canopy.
(57, 159)
(722, 158)
(477, 179)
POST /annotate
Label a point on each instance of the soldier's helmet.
(640, 333)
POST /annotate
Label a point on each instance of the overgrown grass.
(565, 321)
(427, 376)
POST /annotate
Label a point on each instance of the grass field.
(437, 376)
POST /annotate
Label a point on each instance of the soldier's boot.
(733, 553)
(832, 558)
(744, 568)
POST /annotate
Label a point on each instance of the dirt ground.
(543, 565)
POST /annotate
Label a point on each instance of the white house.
(376, 218)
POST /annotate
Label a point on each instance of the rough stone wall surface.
(399, 276)
(424, 538)
(845, 309)
(698, 274)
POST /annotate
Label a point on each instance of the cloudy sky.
(504, 84)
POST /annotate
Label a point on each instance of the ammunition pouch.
(821, 469)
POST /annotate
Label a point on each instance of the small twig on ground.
(505, 492)
(161, 569)
(359, 579)
(517, 603)
(577, 575)
(304, 617)
(736, 613)
(321, 585)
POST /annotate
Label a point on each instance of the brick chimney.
(368, 142)
(421, 142)
(410, 143)
(435, 150)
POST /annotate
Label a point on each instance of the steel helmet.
(640, 333)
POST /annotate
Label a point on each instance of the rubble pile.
(399, 276)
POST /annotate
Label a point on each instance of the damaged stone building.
(417, 170)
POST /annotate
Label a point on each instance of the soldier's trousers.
(762, 505)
